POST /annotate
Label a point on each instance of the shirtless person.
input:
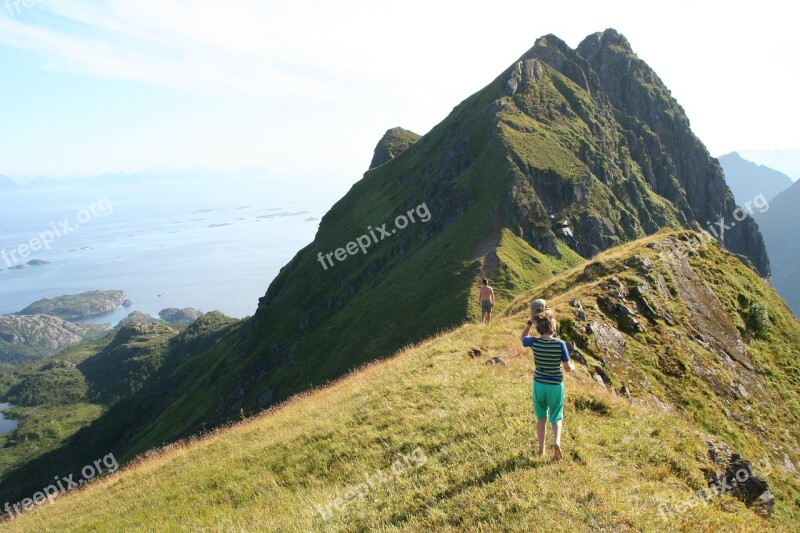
(487, 301)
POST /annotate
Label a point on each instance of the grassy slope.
(474, 424)
(59, 407)
(422, 280)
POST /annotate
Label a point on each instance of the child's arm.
(566, 362)
(525, 333)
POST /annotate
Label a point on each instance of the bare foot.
(557, 455)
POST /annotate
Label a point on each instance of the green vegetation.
(394, 142)
(631, 464)
(50, 401)
(70, 396)
(523, 180)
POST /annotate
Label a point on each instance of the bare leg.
(541, 433)
(489, 317)
(557, 455)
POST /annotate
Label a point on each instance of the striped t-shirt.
(548, 354)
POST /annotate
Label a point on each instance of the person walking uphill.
(487, 301)
(550, 355)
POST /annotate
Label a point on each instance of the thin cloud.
(198, 47)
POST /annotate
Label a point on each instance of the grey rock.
(77, 306)
(45, 333)
(139, 318)
(186, 315)
(393, 143)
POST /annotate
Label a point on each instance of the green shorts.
(548, 397)
(486, 306)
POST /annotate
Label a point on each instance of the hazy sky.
(309, 87)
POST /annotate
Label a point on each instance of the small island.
(77, 306)
(187, 315)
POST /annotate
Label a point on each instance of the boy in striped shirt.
(550, 356)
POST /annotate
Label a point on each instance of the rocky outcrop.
(44, 333)
(737, 476)
(187, 315)
(630, 164)
(675, 160)
(138, 317)
(77, 306)
(393, 143)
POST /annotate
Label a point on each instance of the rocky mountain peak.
(393, 143)
(606, 39)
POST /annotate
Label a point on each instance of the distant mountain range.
(779, 225)
(778, 218)
(786, 161)
(747, 179)
(7, 184)
(152, 175)
(573, 176)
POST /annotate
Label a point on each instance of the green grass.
(497, 166)
(472, 426)
(42, 429)
(476, 470)
(60, 400)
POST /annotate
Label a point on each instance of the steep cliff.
(393, 143)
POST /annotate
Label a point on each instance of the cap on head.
(538, 306)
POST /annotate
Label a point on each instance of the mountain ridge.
(649, 440)
(523, 180)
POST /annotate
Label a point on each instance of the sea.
(208, 243)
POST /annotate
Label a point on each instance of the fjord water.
(205, 243)
(6, 426)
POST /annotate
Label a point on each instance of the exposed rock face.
(737, 476)
(77, 306)
(393, 143)
(45, 332)
(187, 315)
(583, 148)
(58, 364)
(714, 325)
(138, 317)
(638, 145)
(679, 155)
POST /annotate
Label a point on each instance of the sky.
(304, 87)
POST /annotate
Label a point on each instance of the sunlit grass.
(475, 426)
